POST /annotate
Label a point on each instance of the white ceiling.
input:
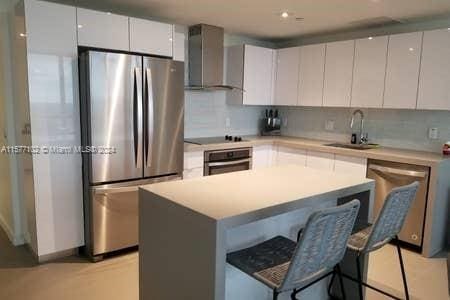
(260, 18)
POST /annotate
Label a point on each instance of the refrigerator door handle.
(137, 118)
(150, 117)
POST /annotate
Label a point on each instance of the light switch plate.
(433, 133)
(329, 125)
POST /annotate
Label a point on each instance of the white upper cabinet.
(258, 75)
(312, 63)
(286, 82)
(369, 72)
(102, 30)
(402, 71)
(434, 83)
(338, 73)
(179, 43)
(151, 37)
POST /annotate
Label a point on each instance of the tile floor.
(75, 278)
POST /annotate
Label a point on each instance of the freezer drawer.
(114, 215)
(388, 175)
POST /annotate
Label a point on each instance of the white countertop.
(424, 158)
(234, 194)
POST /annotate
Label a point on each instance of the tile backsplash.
(206, 114)
(389, 127)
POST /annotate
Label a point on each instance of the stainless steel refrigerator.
(134, 104)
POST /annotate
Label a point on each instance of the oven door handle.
(227, 163)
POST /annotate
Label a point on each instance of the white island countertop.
(226, 196)
(187, 227)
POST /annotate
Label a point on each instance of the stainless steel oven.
(226, 161)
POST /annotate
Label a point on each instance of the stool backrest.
(322, 244)
(391, 217)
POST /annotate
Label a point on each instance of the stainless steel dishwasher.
(388, 175)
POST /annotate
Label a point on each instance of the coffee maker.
(271, 123)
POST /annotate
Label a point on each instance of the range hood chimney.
(206, 58)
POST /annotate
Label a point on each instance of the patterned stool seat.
(267, 262)
(358, 240)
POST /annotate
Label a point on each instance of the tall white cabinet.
(54, 114)
(369, 72)
(434, 83)
(338, 73)
(286, 78)
(402, 71)
(312, 63)
(102, 30)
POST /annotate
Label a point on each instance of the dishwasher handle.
(409, 173)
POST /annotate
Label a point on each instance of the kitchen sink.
(354, 146)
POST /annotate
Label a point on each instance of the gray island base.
(187, 227)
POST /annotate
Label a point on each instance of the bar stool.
(283, 265)
(386, 228)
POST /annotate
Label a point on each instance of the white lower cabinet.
(193, 173)
(286, 156)
(193, 164)
(320, 160)
(350, 165)
(263, 156)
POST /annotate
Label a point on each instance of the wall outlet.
(433, 133)
(227, 122)
(329, 125)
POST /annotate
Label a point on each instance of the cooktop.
(215, 140)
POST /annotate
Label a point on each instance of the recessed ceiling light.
(411, 49)
(285, 15)
(108, 13)
(370, 38)
(80, 26)
(22, 34)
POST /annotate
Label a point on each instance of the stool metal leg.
(360, 286)
(402, 267)
(275, 294)
(331, 283)
(341, 282)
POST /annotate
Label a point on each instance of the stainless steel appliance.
(206, 58)
(134, 104)
(388, 175)
(226, 161)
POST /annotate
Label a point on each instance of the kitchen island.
(187, 227)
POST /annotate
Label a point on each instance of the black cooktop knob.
(239, 139)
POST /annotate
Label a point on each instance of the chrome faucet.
(363, 137)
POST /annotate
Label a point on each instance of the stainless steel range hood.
(206, 58)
